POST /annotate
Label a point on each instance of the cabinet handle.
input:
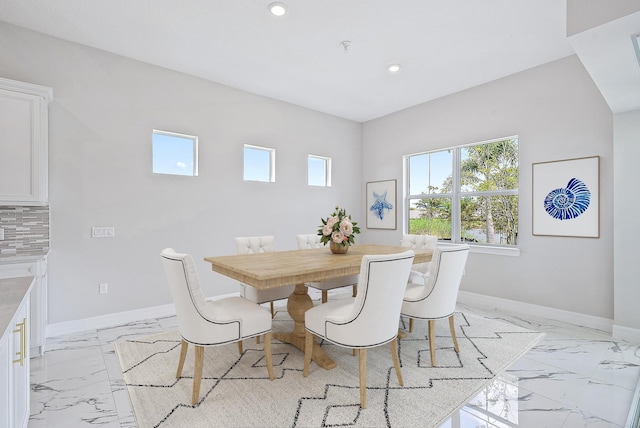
(22, 353)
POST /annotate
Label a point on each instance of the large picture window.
(465, 194)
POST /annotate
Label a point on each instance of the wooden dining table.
(296, 267)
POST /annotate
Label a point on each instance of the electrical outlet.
(103, 232)
(104, 288)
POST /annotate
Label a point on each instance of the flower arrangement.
(338, 229)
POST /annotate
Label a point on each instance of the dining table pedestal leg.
(298, 303)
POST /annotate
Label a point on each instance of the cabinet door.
(5, 380)
(23, 143)
(20, 366)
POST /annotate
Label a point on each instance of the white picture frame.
(566, 198)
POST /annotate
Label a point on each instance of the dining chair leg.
(240, 347)
(183, 355)
(197, 374)
(257, 340)
(452, 328)
(273, 313)
(267, 354)
(432, 342)
(410, 325)
(363, 377)
(325, 296)
(308, 348)
(355, 291)
(396, 360)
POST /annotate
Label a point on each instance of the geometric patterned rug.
(236, 390)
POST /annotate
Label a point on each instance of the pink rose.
(326, 230)
(332, 220)
(346, 227)
(337, 237)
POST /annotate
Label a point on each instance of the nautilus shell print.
(568, 203)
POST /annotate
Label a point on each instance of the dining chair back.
(368, 320)
(436, 298)
(255, 245)
(313, 241)
(419, 271)
(207, 323)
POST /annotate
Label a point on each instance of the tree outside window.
(466, 194)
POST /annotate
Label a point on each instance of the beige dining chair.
(436, 298)
(261, 244)
(368, 320)
(313, 241)
(210, 323)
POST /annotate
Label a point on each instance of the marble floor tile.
(606, 401)
(129, 330)
(574, 377)
(557, 384)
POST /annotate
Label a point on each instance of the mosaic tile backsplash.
(26, 230)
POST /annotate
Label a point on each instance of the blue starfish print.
(380, 205)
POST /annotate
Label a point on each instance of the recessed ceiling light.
(394, 68)
(277, 8)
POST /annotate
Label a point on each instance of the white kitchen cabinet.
(24, 134)
(14, 370)
(38, 300)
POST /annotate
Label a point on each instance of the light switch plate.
(103, 232)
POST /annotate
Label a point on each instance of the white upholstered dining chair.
(368, 320)
(436, 298)
(209, 323)
(261, 244)
(419, 271)
(313, 241)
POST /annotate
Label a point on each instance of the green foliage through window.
(466, 194)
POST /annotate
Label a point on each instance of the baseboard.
(627, 334)
(118, 318)
(575, 318)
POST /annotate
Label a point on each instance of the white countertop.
(21, 258)
(12, 293)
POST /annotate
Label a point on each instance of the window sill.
(486, 249)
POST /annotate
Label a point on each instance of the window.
(259, 163)
(465, 194)
(318, 171)
(175, 154)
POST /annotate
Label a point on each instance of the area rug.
(236, 391)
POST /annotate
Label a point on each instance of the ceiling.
(443, 46)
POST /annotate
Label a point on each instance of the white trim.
(626, 334)
(486, 249)
(575, 318)
(118, 318)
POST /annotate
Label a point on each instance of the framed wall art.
(566, 198)
(381, 204)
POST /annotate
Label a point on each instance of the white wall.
(100, 158)
(584, 15)
(104, 110)
(626, 208)
(558, 113)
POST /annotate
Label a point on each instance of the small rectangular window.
(174, 153)
(259, 163)
(318, 171)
